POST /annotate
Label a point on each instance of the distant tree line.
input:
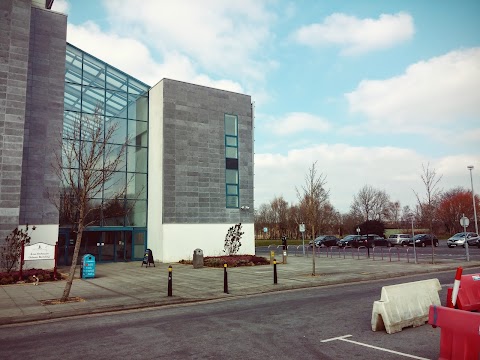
(371, 210)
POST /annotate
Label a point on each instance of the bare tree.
(279, 210)
(428, 203)
(312, 196)
(85, 167)
(370, 203)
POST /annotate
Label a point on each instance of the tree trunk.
(313, 251)
(71, 274)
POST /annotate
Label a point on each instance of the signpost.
(302, 230)
(465, 222)
(39, 251)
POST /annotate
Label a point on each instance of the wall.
(185, 238)
(155, 171)
(14, 48)
(194, 154)
(44, 116)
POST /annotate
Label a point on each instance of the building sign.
(40, 251)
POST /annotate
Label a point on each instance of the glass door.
(139, 244)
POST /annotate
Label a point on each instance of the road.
(281, 325)
(425, 254)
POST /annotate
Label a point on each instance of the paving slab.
(121, 286)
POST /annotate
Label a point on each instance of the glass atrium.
(96, 90)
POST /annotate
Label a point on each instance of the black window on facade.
(231, 161)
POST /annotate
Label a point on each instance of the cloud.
(61, 6)
(224, 37)
(439, 92)
(296, 122)
(348, 168)
(357, 36)
(136, 59)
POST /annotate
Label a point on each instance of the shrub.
(232, 239)
(11, 250)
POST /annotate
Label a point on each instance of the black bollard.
(274, 271)
(170, 280)
(225, 279)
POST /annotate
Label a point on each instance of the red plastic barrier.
(460, 332)
(468, 297)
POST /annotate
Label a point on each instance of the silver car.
(459, 239)
(399, 239)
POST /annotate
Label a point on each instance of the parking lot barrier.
(358, 251)
(460, 333)
(390, 253)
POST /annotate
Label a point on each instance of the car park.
(324, 241)
(371, 240)
(423, 240)
(349, 240)
(459, 239)
(399, 239)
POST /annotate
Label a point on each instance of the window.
(231, 161)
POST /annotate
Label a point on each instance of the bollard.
(284, 254)
(170, 280)
(274, 271)
(272, 255)
(225, 279)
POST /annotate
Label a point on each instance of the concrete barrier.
(405, 305)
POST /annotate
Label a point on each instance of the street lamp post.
(470, 167)
(413, 240)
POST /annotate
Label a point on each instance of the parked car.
(423, 240)
(459, 239)
(349, 240)
(372, 240)
(324, 240)
(399, 239)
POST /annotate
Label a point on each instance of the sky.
(369, 91)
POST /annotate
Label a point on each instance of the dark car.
(349, 240)
(324, 240)
(371, 240)
(423, 240)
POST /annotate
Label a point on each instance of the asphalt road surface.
(441, 252)
(281, 325)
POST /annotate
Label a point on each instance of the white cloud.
(357, 36)
(224, 37)
(439, 92)
(296, 122)
(348, 168)
(136, 59)
(61, 6)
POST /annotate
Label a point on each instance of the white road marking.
(344, 338)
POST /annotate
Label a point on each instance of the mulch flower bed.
(231, 261)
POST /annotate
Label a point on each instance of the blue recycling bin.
(88, 266)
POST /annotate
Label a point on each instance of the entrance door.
(62, 247)
(139, 244)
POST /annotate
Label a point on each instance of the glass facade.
(96, 93)
(231, 161)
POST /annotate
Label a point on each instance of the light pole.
(470, 167)
(413, 240)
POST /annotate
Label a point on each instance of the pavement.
(129, 285)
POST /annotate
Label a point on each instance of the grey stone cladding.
(32, 70)
(14, 46)
(44, 116)
(194, 154)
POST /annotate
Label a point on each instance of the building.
(188, 167)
